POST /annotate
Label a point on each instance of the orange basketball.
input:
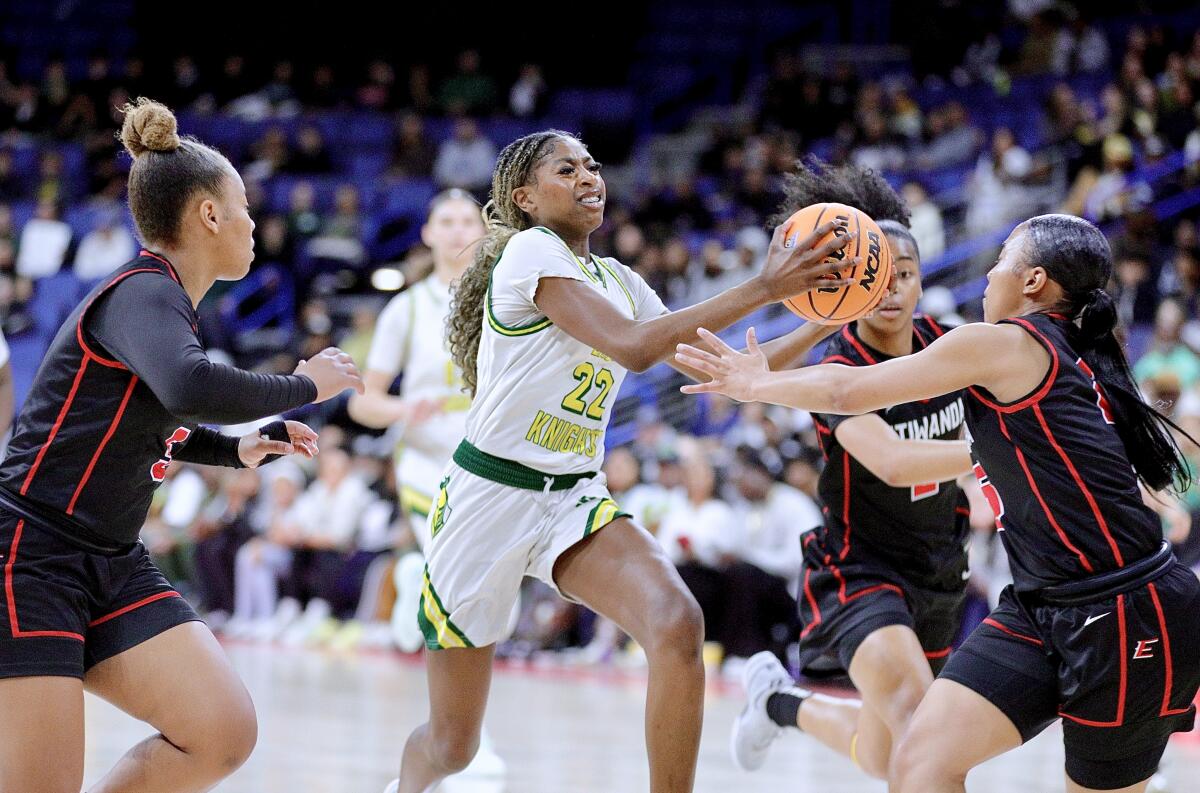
(837, 305)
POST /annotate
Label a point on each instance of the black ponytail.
(1076, 255)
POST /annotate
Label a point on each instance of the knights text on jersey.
(1056, 473)
(918, 532)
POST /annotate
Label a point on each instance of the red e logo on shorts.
(158, 471)
(1143, 649)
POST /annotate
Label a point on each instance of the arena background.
(345, 119)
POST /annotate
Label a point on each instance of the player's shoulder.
(844, 348)
(536, 240)
(929, 329)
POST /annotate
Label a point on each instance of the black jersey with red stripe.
(103, 420)
(918, 532)
(1056, 473)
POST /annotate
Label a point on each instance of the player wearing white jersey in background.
(544, 332)
(428, 416)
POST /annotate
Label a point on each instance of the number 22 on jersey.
(588, 376)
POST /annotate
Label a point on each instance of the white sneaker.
(409, 576)
(753, 731)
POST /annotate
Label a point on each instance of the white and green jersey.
(410, 337)
(543, 399)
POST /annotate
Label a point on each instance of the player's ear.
(1034, 280)
(209, 215)
(523, 198)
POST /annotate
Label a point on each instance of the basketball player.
(544, 332)
(884, 577)
(431, 409)
(119, 396)
(1101, 626)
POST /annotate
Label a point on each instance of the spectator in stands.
(412, 155)
(465, 160)
(176, 505)
(1115, 192)
(51, 182)
(10, 184)
(303, 220)
(1167, 351)
(268, 156)
(420, 90)
(280, 93)
(184, 87)
(45, 241)
(323, 91)
(529, 94)
(1079, 47)
(379, 91)
(469, 91)
(876, 148)
(699, 536)
(761, 587)
(953, 140)
(104, 248)
(1181, 278)
(997, 193)
(233, 82)
(262, 559)
(925, 221)
(1137, 297)
(311, 155)
(219, 532)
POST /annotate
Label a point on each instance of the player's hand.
(418, 411)
(730, 372)
(253, 448)
(792, 269)
(333, 371)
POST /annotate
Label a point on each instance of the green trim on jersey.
(603, 514)
(500, 327)
(439, 630)
(596, 276)
(617, 278)
(511, 473)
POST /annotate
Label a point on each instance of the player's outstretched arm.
(975, 354)
(897, 461)
(637, 345)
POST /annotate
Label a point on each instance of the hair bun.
(1097, 318)
(148, 126)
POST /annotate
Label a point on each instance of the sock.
(784, 706)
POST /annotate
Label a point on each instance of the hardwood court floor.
(335, 723)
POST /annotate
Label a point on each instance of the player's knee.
(897, 711)
(679, 629)
(53, 778)
(916, 766)
(236, 736)
(453, 750)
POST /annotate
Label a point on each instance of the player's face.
(1003, 296)
(236, 236)
(453, 226)
(567, 193)
(895, 311)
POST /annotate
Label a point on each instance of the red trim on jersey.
(62, 414)
(1010, 631)
(964, 511)
(1169, 673)
(942, 653)
(1087, 494)
(839, 359)
(170, 267)
(13, 626)
(83, 314)
(844, 598)
(812, 602)
(1120, 718)
(1062, 535)
(845, 504)
(144, 601)
(1041, 390)
(112, 428)
(848, 336)
(936, 328)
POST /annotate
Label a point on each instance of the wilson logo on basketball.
(840, 230)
